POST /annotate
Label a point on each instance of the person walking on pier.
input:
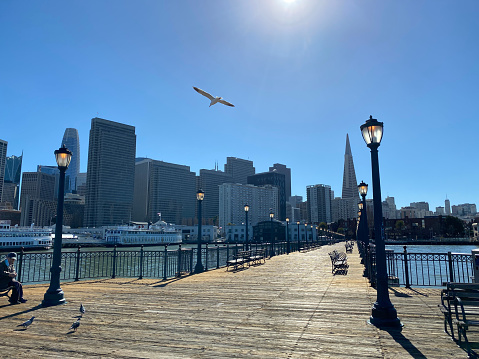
(7, 279)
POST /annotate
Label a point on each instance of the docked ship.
(14, 238)
(139, 233)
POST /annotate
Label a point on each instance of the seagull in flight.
(213, 99)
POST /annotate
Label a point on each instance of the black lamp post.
(299, 240)
(271, 216)
(246, 210)
(288, 243)
(200, 195)
(363, 191)
(383, 312)
(54, 294)
(306, 235)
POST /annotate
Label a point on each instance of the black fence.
(420, 269)
(34, 267)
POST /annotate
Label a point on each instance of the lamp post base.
(199, 268)
(53, 298)
(384, 316)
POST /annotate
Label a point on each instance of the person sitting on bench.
(7, 279)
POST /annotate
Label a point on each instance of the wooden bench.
(460, 306)
(5, 292)
(257, 256)
(238, 260)
(339, 261)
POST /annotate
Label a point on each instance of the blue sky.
(301, 74)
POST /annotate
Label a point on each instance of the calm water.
(433, 248)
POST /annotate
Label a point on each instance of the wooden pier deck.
(289, 307)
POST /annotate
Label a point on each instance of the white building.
(233, 197)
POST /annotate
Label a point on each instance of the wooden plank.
(289, 307)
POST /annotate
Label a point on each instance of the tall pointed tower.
(350, 185)
(72, 142)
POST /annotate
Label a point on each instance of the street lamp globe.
(271, 214)
(200, 195)
(63, 157)
(246, 208)
(363, 188)
(360, 205)
(372, 131)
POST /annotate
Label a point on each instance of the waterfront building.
(420, 205)
(209, 181)
(319, 203)
(3, 158)
(475, 232)
(440, 211)
(110, 173)
(278, 167)
(389, 208)
(447, 204)
(277, 180)
(11, 182)
(350, 184)
(80, 184)
(340, 208)
(239, 169)
(233, 197)
(236, 233)
(72, 142)
(37, 200)
(164, 189)
(465, 209)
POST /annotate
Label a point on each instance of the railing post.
(141, 262)
(191, 262)
(206, 257)
(217, 256)
(20, 264)
(77, 270)
(406, 268)
(451, 272)
(113, 275)
(165, 262)
(178, 273)
(227, 251)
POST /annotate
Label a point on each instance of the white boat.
(27, 237)
(139, 233)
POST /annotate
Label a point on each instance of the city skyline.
(301, 75)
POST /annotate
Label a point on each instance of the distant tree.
(400, 225)
(454, 226)
(323, 225)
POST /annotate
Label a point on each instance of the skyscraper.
(350, 185)
(278, 167)
(166, 188)
(447, 204)
(72, 142)
(37, 199)
(209, 182)
(110, 173)
(3, 158)
(319, 203)
(274, 179)
(11, 181)
(239, 169)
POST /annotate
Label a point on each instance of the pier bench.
(238, 260)
(5, 291)
(460, 306)
(339, 261)
(257, 256)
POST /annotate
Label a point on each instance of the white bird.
(82, 309)
(212, 98)
(75, 325)
(27, 323)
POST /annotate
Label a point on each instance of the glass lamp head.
(63, 157)
(363, 188)
(372, 131)
(246, 208)
(200, 195)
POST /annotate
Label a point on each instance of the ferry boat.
(139, 233)
(27, 237)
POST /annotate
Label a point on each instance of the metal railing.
(34, 267)
(420, 269)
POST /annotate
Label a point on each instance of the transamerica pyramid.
(350, 185)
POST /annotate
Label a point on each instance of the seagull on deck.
(82, 309)
(27, 323)
(212, 98)
(75, 325)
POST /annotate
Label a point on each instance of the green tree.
(454, 226)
